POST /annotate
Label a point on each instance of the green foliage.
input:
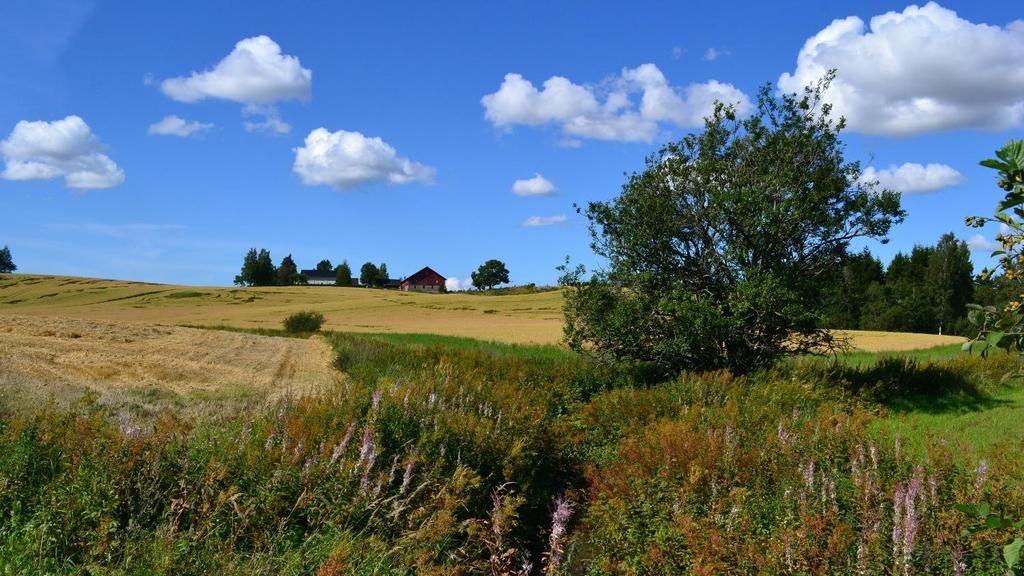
(382, 272)
(1002, 325)
(717, 250)
(343, 275)
(369, 274)
(6, 261)
(324, 266)
(490, 274)
(257, 269)
(303, 322)
(288, 273)
(445, 456)
(988, 520)
(926, 291)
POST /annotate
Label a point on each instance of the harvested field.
(149, 366)
(532, 318)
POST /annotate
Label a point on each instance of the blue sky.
(158, 141)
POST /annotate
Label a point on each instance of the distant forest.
(925, 291)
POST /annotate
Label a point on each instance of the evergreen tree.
(288, 272)
(382, 273)
(248, 274)
(324, 266)
(6, 261)
(265, 273)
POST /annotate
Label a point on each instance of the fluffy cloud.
(454, 284)
(979, 243)
(63, 148)
(536, 186)
(255, 72)
(344, 160)
(535, 221)
(921, 70)
(175, 126)
(608, 112)
(910, 178)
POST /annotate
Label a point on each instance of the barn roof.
(426, 271)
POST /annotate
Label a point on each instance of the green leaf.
(993, 163)
(969, 509)
(1011, 553)
(995, 522)
(983, 509)
(993, 338)
(998, 252)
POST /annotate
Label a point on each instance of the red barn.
(425, 280)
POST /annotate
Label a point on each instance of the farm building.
(426, 280)
(319, 277)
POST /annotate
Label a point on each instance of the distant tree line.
(925, 291)
(258, 269)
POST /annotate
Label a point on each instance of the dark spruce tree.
(248, 273)
(324, 266)
(288, 273)
(716, 250)
(382, 272)
(490, 274)
(6, 261)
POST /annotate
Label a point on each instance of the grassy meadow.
(440, 453)
(510, 316)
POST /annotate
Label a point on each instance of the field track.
(514, 318)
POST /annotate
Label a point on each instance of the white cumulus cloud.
(345, 160)
(979, 243)
(254, 72)
(921, 70)
(912, 178)
(454, 284)
(271, 120)
(536, 186)
(608, 111)
(63, 148)
(536, 221)
(174, 126)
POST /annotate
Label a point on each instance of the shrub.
(301, 322)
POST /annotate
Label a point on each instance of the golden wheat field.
(514, 318)
(45, 358)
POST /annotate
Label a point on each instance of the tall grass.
(437, 457)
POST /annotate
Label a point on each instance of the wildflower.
(340, 448)
(980, 473)
(377, 395)
(407, 477)
(367, 449)
(783, 435)
(898, 499)
(559, 524)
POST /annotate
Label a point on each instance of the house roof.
(318, 274)
(422, 274)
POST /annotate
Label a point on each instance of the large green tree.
(490, 274)
(6, 261)
(368, 274)
(324, 266)
(343, 274)
(716, 250)
(382, 272)
(257, 269)
(288, 272)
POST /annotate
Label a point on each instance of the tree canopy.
(6, 261)
(490, 274)
(343, 274)
(716, 249)
(368, 274)
(288, 273)
(324, 266)
(257, 269)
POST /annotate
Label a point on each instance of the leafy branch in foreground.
(1003, 327)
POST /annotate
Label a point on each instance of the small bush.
(303, 322)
